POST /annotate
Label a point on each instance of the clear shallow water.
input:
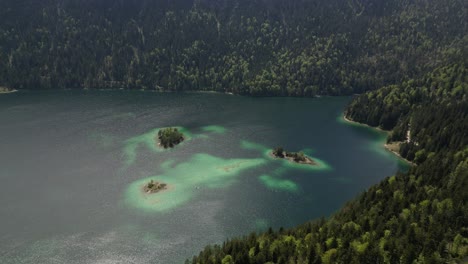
(71, 163)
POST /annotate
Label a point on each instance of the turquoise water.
(73, 164)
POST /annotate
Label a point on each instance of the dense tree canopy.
(169, 137)
(275, 47)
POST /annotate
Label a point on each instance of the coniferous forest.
(254, 47)
(406, 60)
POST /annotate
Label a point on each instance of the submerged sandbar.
(186, 179)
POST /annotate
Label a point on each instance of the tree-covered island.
(169, 137)
(296, 157)
(154, 187)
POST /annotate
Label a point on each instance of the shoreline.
(87, 89)
(388, 148)
(385, 145)
(8, 91)
(362, 124)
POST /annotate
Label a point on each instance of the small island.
(169, 137)
(154, 187)
(296, 157)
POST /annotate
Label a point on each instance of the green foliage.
(394, 107)
(150, 184)
(426, 120)
(169, 137)
(293, 48)
(278, 152)
(297, 156)
(227, 260)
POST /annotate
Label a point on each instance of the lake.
(72, 165)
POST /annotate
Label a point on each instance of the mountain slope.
(256, 47)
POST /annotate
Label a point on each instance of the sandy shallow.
(391, 147)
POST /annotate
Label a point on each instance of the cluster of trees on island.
(169, 137)
(154, 187)
(298, 157)
(255, 47)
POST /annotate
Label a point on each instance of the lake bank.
(5, 90)
(390, 147)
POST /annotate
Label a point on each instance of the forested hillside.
(421, 113)
(256, 47)
(416, 217)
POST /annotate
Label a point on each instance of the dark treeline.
(387, 107)
(416, 217)
(256, 47)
